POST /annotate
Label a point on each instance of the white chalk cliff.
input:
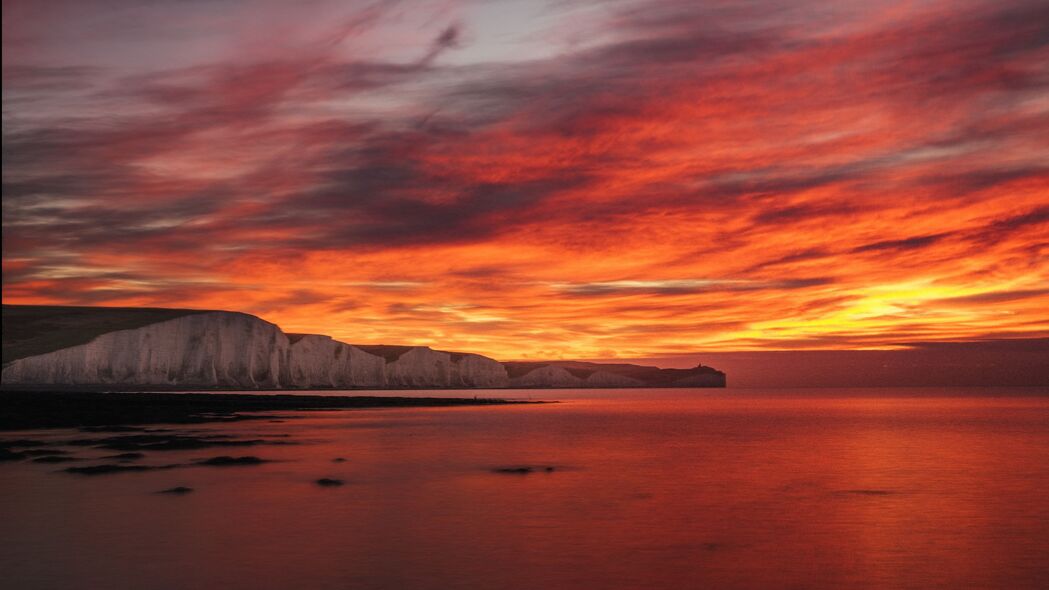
(548, 376)
(319, 362)
(421, 366)
(190, 349)
(221, 349)
(212, 349)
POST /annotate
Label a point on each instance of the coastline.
(27, 410)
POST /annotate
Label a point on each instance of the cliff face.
(211, 349)
(422, 366)
(606, 379)
(701, 380)
(474, 370)
(218, 349)
(548, 376)
(319, 362)
(584, 374)
(233, 350)
(29, 330)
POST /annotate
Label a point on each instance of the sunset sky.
(524, 179)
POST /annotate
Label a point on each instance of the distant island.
(149, 348)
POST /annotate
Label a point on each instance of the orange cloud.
(693, 179)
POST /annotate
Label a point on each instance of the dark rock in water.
(176, 491)
(226, 461)
(339, 460)
(522, 470)
(165, 442)
(9, 455)
(112, 428)
(126, 456)
(328, 481)
(73, 409)
(513, 470)
(55, 459)
(18, 442)
(108, 468)
(43, 452)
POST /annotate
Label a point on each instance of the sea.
(605, 489)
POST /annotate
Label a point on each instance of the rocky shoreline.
(24, 410)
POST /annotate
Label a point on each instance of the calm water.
(651, 489)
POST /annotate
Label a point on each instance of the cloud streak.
(843, 177)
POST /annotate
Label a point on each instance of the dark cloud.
(449, 38)
(685, 286)
(988, 344)
(577, 97)
(796, 213)
(1003, 227)
(999, 296)
(912, 243)
(798, 256)
(41, 78)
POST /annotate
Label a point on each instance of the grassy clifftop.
(38, 329)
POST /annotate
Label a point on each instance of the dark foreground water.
(650, 489)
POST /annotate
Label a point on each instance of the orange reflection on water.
(710, 490)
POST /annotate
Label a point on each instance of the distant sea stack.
(129, 348)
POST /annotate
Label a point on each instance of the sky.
(526, 180)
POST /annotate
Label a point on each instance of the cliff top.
(390, 352)
(30, 330)
(582, 370)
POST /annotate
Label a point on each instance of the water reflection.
(650, 490)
